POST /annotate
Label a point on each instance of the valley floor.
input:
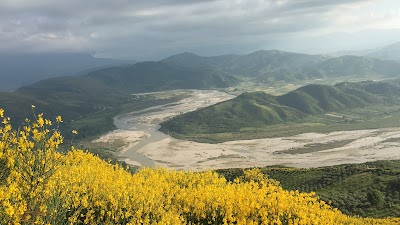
(144, 145)
(361, 146)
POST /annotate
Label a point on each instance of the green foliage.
(257, 109)
(376, 197)
(368, 189)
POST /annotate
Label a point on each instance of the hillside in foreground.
(368, 189)
(38, 185)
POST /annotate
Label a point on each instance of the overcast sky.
(146, 29)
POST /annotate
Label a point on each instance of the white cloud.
(153, 29)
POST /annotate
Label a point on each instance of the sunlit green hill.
(105, 91)
(258, 109)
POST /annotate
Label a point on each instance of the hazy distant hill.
(263, 63)
(260, 109)
(353, 66)
(350, 52)
(275, 65)
(259, 63)
(193, 61)
(17, 70)
(188, 70)
(389, 52)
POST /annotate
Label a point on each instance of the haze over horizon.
(153, 30)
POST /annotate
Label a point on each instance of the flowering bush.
(38, 185)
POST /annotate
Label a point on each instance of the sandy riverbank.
(368, 145)
(140, 131)
(126, 137)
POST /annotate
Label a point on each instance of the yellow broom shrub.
(38, 185)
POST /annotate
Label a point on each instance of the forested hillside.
(258, 109)
(368, 189)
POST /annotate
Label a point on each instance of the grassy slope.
(316, 99)
(88, 103)
(263, 113)
(245, 110)
(156, 76)
(105, 90)
(90, 123)
(369, 189)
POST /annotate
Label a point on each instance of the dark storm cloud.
(142, 28)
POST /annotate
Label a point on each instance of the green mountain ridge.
(259, 109)
(315, 99)
(109, 88)
(248, 109)
(275, 65)
(140, 77)
(190, 71)
(105, 88)
(262, 63)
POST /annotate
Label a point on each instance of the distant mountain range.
(74, 96)
(188, 70)
(389, 52)
(17, 70)
(274, 65)
(257, 109)
(268, 66)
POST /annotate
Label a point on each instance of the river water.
(165, 151)
(148, 120)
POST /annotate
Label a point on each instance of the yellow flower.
(48, 122)
(40, 121)
(33, 106)
(92, 191)
(59, 119)
(1, 112)
(10, 211)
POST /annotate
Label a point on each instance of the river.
(148, 120)
(148, 147)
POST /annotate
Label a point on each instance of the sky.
(154, 29)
